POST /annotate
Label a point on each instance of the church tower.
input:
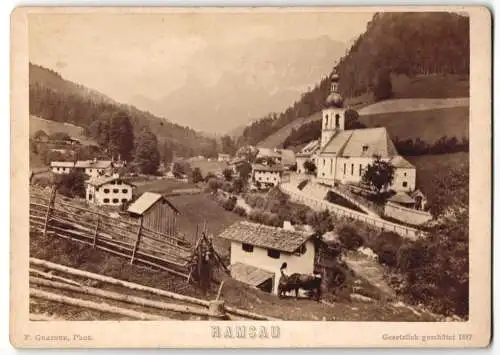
(333, 113)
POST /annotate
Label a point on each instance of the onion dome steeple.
(334, 99)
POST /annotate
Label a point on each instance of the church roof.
(361, 143)
(400, 162)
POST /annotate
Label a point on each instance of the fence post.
(96, 231)
(136, 246)
(47, 215)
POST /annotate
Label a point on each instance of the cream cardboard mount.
(250, 177)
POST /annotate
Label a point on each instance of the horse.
(298, 281)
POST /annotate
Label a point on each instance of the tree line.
(93, 115)
(412, 147)
(409, 43)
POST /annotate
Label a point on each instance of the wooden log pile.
(55, 288)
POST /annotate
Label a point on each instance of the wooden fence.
(118, 235)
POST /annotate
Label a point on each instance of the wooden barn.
(157, 213)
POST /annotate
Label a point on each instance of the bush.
(196, 175)
(349, 238)
(240, 211)
(72, 184)
(230, 203)
(257, 216)
(214, 184)
(386, 246)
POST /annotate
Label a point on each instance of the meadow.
(37, 123)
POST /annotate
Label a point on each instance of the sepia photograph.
(244, 168)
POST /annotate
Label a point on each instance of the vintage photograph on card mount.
(236, 169)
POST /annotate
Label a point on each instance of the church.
(341, 155)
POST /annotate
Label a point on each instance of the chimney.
(287, 225)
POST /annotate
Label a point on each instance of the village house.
(61, 167)
(258, 251)
(224, 157)
(108, 191)
(288, 159)
(157, 213)
(309, 152)
(266, 175)
(345, 154)
(268, 155)
(235, 163)
(94, 168)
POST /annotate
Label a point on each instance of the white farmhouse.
(267, 175)
(61, 167)
(258, 251)
(344, 154)
(94, 168)
(109, 191)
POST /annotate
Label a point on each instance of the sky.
(124, 55)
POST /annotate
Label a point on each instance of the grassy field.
(427, 125)
(161, 185)
(427, 165)
(410, 105)
(278, 137)
(196, 210)
(37, 123)
(206, 166)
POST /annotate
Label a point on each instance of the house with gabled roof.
(258, 251)
(345, 154)
(108, 191)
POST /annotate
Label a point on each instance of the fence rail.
(298, 196)
(118, 236)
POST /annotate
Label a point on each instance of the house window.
(337, 117)
(404, 174)
(124, 200)
(116, 191)
(90, 197)
(326, 121)
(247, 247)
(365, 148)
(106, 200)
(106, 191)
(405, 184)
(115, 200)
(324, 162)
(331, 166)
(360, 169)
(352, 169)
(344, 167)
(275, 254)
(124, 191)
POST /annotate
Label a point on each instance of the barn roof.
(266, 236)
(249, 274)
(146, 201)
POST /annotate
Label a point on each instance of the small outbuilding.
(158, 214)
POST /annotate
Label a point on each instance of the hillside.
(425, 55)
(56, 99)
(49, 127)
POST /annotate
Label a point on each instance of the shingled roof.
(266, 236)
